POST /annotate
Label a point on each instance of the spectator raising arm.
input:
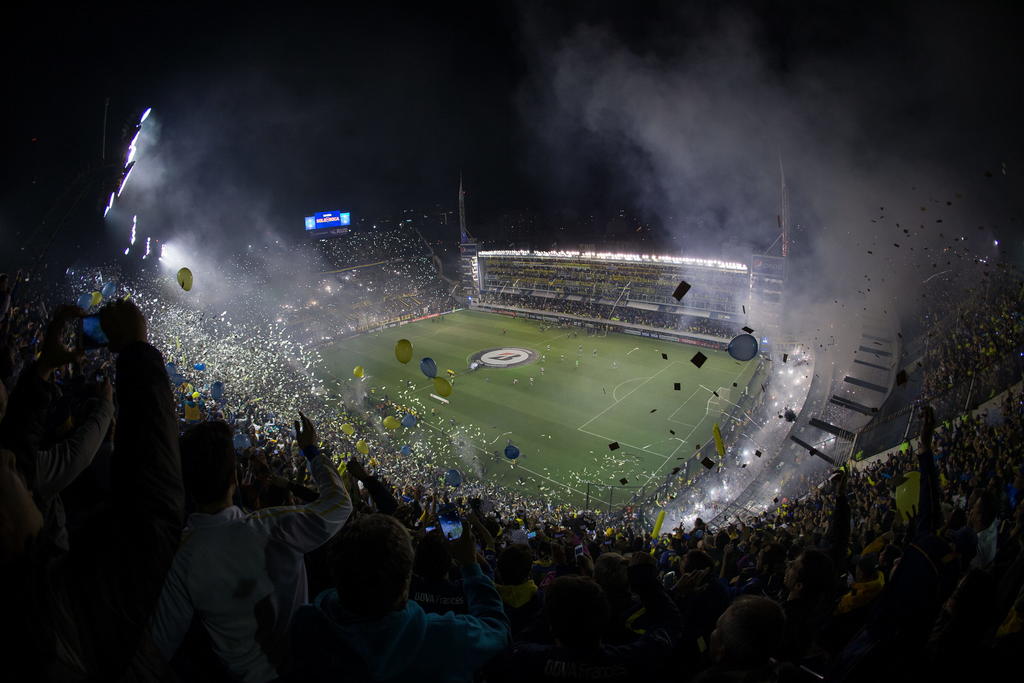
(117, 564)
(307, 527)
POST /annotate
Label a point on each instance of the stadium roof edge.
(637, 258)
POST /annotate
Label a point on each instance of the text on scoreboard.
(328, 219)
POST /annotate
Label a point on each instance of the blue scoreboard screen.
(332, 222)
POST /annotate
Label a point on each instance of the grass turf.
(563, 423)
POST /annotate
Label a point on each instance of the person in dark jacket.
(577, 613)
(83, 616)
(430, 585)
(367, 629)
(519, 594)
(50, 467)
(748, 634)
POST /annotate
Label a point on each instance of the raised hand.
(927, 426)
(463, 549)
(305, 434)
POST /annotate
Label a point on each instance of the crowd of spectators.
(363, 280)
(977, 344)
(150, 533)
(669, 321)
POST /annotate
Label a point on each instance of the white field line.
(617, 386)
(627, 395)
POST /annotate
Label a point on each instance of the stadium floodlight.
(128, 171)
(126, 249)
(110, 203)
(135, 220)
(605, 256)
(133, 147)
(145, 115)
(147, 248)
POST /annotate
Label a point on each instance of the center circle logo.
(506, 357)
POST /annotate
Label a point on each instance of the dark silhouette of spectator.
(519, 594)
(83, 615)
(243, 574)
(367, 629)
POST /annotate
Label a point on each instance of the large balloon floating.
(428, 367)
(743, 347)
(185, 279)
(403, 350)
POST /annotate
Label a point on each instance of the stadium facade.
(723, 297)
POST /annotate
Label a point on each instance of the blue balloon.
(217, 390)
(240, 441)
(453, 478)
(108, 290)
(85, 301)
(177, 380)
(405, 450)
(511, 452)
(428, 367)
(743, 347)
(409, 420)
(172, 369)
(200, 366)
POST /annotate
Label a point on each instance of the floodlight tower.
(783, 209)
(468, 249)
(768, 273)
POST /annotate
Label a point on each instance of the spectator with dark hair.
(80, 617)
(983, 521)
(49, 466)
(519, 594)
(810, 582)
(746, 638)
(577, 612)
(611, 573)
(243, 575)
(367, 629)
(430, 586)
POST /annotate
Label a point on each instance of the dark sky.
(283, 112)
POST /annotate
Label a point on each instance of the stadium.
(671, 367)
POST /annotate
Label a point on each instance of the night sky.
(267, 116)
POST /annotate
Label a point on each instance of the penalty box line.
(695, 427)
(623, 443)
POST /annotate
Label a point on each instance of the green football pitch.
(564, 421)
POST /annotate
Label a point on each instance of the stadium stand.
(909, 567)
(633, 287)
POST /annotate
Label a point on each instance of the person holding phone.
(82, 615)
(50, 470)
(367, 628)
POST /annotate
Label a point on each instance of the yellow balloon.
(908, 494)
(348, 429)
(195, 394)
(442, 387)
(185, 279)
(391, 422)
(358, 371)
(96, 298)
(362, 447)
(403, 350)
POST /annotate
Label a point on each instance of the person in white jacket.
(243, 574)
